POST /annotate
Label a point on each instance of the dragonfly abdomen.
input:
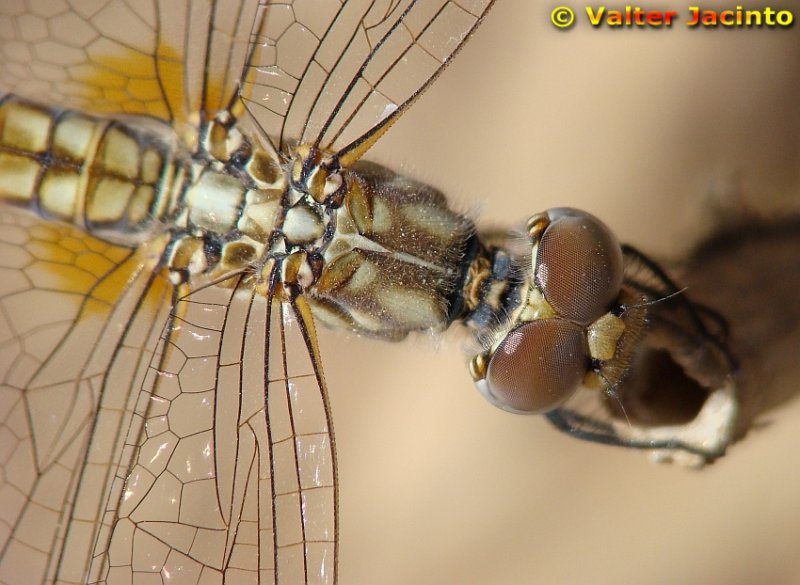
(102, 175)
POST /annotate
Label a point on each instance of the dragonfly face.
(576, 316)
(564, 323)
(184, 192)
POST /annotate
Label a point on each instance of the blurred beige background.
(648, 129)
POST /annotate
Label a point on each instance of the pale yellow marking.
(18, 176)
(534, 258)
(74, 137)
(337, 247)
(302, 225)
(58, 192)
(414, 309)
(357, 210)
(152, 162)
(213, 201)
(258, 196)
(367, 322)
(139, 208)
(382, 216)
(216, 141)
(305, 276)
(183, 252)
(343, 242)
(171, 178)
(292, 266)
(120, 154)
(258, 219)
(536, 225)
(332, 184)
(108, 201)
(478, 366)
(603, 336)
(315, 183)
(24, 127)
(439, 222)
(300, 154)
(537, 307)
(330, 317)
(363, 277)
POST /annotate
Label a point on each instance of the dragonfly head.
(567, 322)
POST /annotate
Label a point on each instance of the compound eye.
(538, 366)
(578, 265)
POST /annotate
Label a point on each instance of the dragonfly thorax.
(317, 174)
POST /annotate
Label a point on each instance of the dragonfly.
(184, 201)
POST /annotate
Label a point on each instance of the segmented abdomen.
(102, 175)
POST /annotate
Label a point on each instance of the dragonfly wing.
(336, 74)
(167, 59)
(77, 317)
(322, 71)
(231, 475)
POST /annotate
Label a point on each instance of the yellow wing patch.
(136, 83)
(61, 258)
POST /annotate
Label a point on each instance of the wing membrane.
(319, 71)
(336, 74)
(171, 60)
(231, 478)
(76, 319)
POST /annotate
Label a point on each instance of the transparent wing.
(231, 478)
(170, 59)
(321, 71)
(336, 74)
(77, 317)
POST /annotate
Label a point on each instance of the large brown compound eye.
(538, 366)
(578, 265)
